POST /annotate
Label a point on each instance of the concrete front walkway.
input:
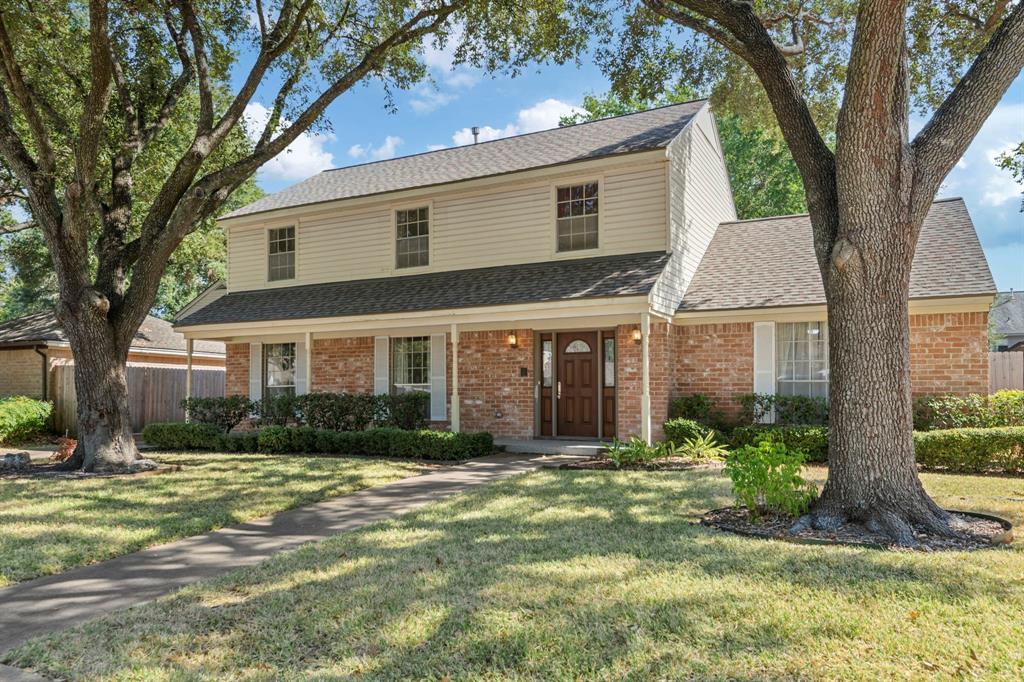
(59, 601)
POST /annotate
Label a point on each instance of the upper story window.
(801, 360)
(281, 254)
(412, 245)
(278, 369)
(577, 217)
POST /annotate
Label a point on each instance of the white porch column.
(309, 362)
(189, 345)
(455, 379)
(645, 377)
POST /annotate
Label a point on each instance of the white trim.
(764, 359)
(188, 374)
(438, 377)
(568, 181)
(301, 367)
(817, 312)
(645, 377)
(277, 225)
(381, 365)
(394, 208)
(456, 408)
(256, 370)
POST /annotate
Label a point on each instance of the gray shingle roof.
(1008, 313)
(153, 334)
(638, 132)
(601, 277)
(770, 262)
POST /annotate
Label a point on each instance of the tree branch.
(945, 138)
(20, 227)
(15, 81)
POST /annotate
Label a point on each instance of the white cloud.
(541, 116)
(428, 99)
(304, 157)
(440, 60)
(977, 175)
(386, 150)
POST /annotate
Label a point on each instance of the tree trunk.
(872, 476)
(105, 440)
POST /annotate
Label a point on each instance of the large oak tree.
(856, 68)
(93, 93)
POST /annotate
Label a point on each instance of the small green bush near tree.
(377, 442)
(766, 478)
(812, 441)
(22, 418)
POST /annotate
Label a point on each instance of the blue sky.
(428, 117)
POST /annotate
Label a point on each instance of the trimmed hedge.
(680, 430)
(22, 417)
(812, 441)
(998, 449)
(382, 442)
(1003, 408)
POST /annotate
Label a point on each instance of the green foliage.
(975, 451)
(697, 407)
(1003, 408)
(378, 442)
(223, 412)
(404, 411)
(703, 448)
(338, 411)
(756, 408)
(278, 410)
(637, 451)
(1013, 161)
(766, 478)
(680, 429)
(812, 441)
(763, 176)
(22, 417)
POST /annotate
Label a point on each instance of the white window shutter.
(764, 359)
(300, 368)
(381, 365)
(255, 371)
(438, 381)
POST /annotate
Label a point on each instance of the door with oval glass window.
(576, 390)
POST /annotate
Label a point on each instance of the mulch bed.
(51, 470)
(981, 531)
(665, 464)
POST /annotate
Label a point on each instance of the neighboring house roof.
(639, 132)
(1007, 314)
(770, 262)
(601, 277)
(154, 334)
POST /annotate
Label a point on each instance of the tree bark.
(106, 443)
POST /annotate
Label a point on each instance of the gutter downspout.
(45, 366)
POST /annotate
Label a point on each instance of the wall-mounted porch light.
(637, 335)
(513, 342)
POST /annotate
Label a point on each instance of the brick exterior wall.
(490, 382)
(949, 353)
(343, 365)
(21, 373)
(716, 360)
(629, 379)
(236, 379)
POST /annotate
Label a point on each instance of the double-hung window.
(412, 241)
(278, 369)
(281, 254)
(410, 364)
(801, 359)
(577, 217)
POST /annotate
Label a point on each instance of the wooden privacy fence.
(154, 393)
(1005, 371)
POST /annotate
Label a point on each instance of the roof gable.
(631, 133)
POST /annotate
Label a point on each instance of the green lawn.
(576, 574)
(48, 526)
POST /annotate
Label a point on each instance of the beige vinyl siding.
(699, 200)
(502, 225)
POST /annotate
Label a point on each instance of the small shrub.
(278, 410)
(679, 430)
(812, 441)
(337, 411)
(275, 440)
(407, 411)
(702, 448)
(224, 413)
(22, 417)
(246, 441)
(697, 407)
(995, 450)
(1003, 408)
(1007, 408)
(923, 413)
(637, 451)
(766, 478)
(182, 436)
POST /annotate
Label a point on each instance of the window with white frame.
(801, 359)
(412, 245)
(278, 369)
(410, 364)
(281, 254)
(577, 217)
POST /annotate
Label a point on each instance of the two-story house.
(564, 283)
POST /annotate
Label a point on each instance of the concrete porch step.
(580, 448)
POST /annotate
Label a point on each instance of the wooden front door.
(577, 397)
